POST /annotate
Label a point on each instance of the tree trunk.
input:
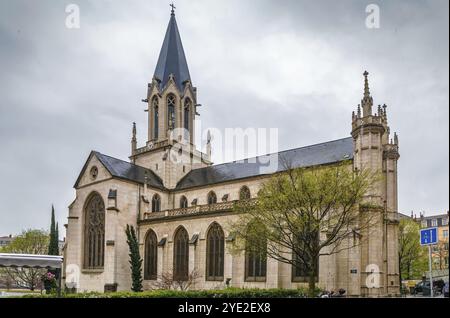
(409, 271)
(312, 285)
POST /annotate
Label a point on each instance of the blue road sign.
(428, 236)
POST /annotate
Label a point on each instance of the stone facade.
(368, 269)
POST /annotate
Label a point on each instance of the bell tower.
(171, 106)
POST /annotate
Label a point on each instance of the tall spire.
(172, 60)
(367, 101)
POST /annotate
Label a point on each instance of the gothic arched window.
(255, 255)
(156, 203)
(171, 100)
(215, 246)
(244, 193)
(155, 107)
(94, 233)
(187, 115)
(181, 255)
(151, 256)
(301, 266)
(183, 202)
(212, 198)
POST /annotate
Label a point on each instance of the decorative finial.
(172, 12)
(359, 111)
(366, 85)
(133, 141)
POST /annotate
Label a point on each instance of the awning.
(31, 261)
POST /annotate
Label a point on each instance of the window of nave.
(301, 263)
(94, 232)
(156, 203)
(215, 253)
(255, 256)
(150, 256)
(181, 255)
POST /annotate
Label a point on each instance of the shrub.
(225, 293)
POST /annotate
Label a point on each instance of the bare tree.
(5, 280)
(305, 213)
(167, 281)
(29, 242)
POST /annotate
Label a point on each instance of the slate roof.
(125, 170)
(172, 59)
(319, 154)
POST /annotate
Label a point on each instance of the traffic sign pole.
(430, 267)
(429, 237)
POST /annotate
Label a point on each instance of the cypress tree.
(135, 259)
(53, 243)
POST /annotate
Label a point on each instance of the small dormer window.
(156, 203)
(244, 193)
(212, 198)
(183, 202)
(94, 172)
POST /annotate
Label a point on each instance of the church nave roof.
(314, 155)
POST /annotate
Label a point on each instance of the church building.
(181, 204)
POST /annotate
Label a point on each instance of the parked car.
(424, 287)
(420, 287)
(439, 285)
(445, 289)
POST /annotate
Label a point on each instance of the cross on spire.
(173, 8)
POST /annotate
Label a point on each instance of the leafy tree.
(29, 242)
(135, 259)
(412, 256)
(440, 255)
(305, 213)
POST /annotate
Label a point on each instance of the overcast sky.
(293, 65)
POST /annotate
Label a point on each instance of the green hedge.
(225, 293)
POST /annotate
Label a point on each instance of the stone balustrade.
(194, 210)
